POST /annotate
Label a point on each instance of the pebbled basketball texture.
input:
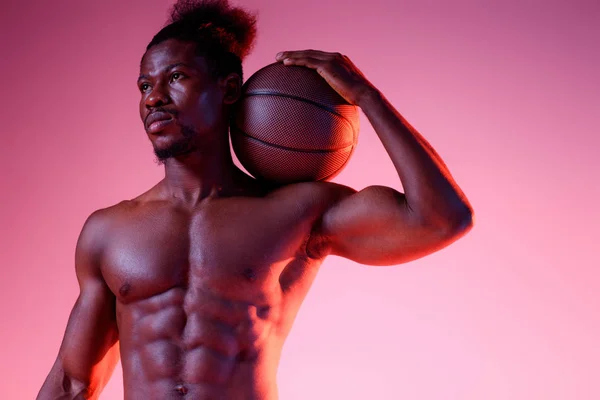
(290, 126)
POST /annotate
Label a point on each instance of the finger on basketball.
(304, 62)
(316, 54)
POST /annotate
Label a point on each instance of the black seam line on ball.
(289, 96)
(290, 148)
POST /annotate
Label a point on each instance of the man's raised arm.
(89, 352)
(379, 225)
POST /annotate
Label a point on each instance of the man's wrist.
(369, 97)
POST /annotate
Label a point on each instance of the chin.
(173, 148)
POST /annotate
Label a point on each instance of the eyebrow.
(168, 67)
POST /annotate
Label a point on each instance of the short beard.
(179, 147)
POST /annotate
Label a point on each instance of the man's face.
(182, 103)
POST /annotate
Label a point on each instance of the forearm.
(429, 188)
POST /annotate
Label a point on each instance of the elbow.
(460, 223)
(451, 224)
(447, 219)
(78, 389)
(59, 384)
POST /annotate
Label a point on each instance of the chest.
(225, 245)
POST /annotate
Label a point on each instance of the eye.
(176, 76)
(144, 87)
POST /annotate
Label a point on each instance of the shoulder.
(95, 231)
(100, 220)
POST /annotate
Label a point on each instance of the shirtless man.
(195, 284)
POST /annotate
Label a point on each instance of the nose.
(158, 97)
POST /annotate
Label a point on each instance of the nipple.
(124, 290)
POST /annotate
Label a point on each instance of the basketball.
(290, 126)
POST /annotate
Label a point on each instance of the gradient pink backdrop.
(507, 92)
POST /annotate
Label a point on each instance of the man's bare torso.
(205, 297)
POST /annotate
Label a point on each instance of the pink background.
(507, 92)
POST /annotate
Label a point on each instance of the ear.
(232, 88)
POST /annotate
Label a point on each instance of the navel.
(181, 390)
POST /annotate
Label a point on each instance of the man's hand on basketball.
(341, 74)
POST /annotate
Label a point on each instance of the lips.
(157, 120)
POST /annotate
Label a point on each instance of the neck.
(199, 174)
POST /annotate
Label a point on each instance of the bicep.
(376, 226)
(88, 352)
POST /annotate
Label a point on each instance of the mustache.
(173, 113)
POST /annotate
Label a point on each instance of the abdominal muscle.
(192, 343)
